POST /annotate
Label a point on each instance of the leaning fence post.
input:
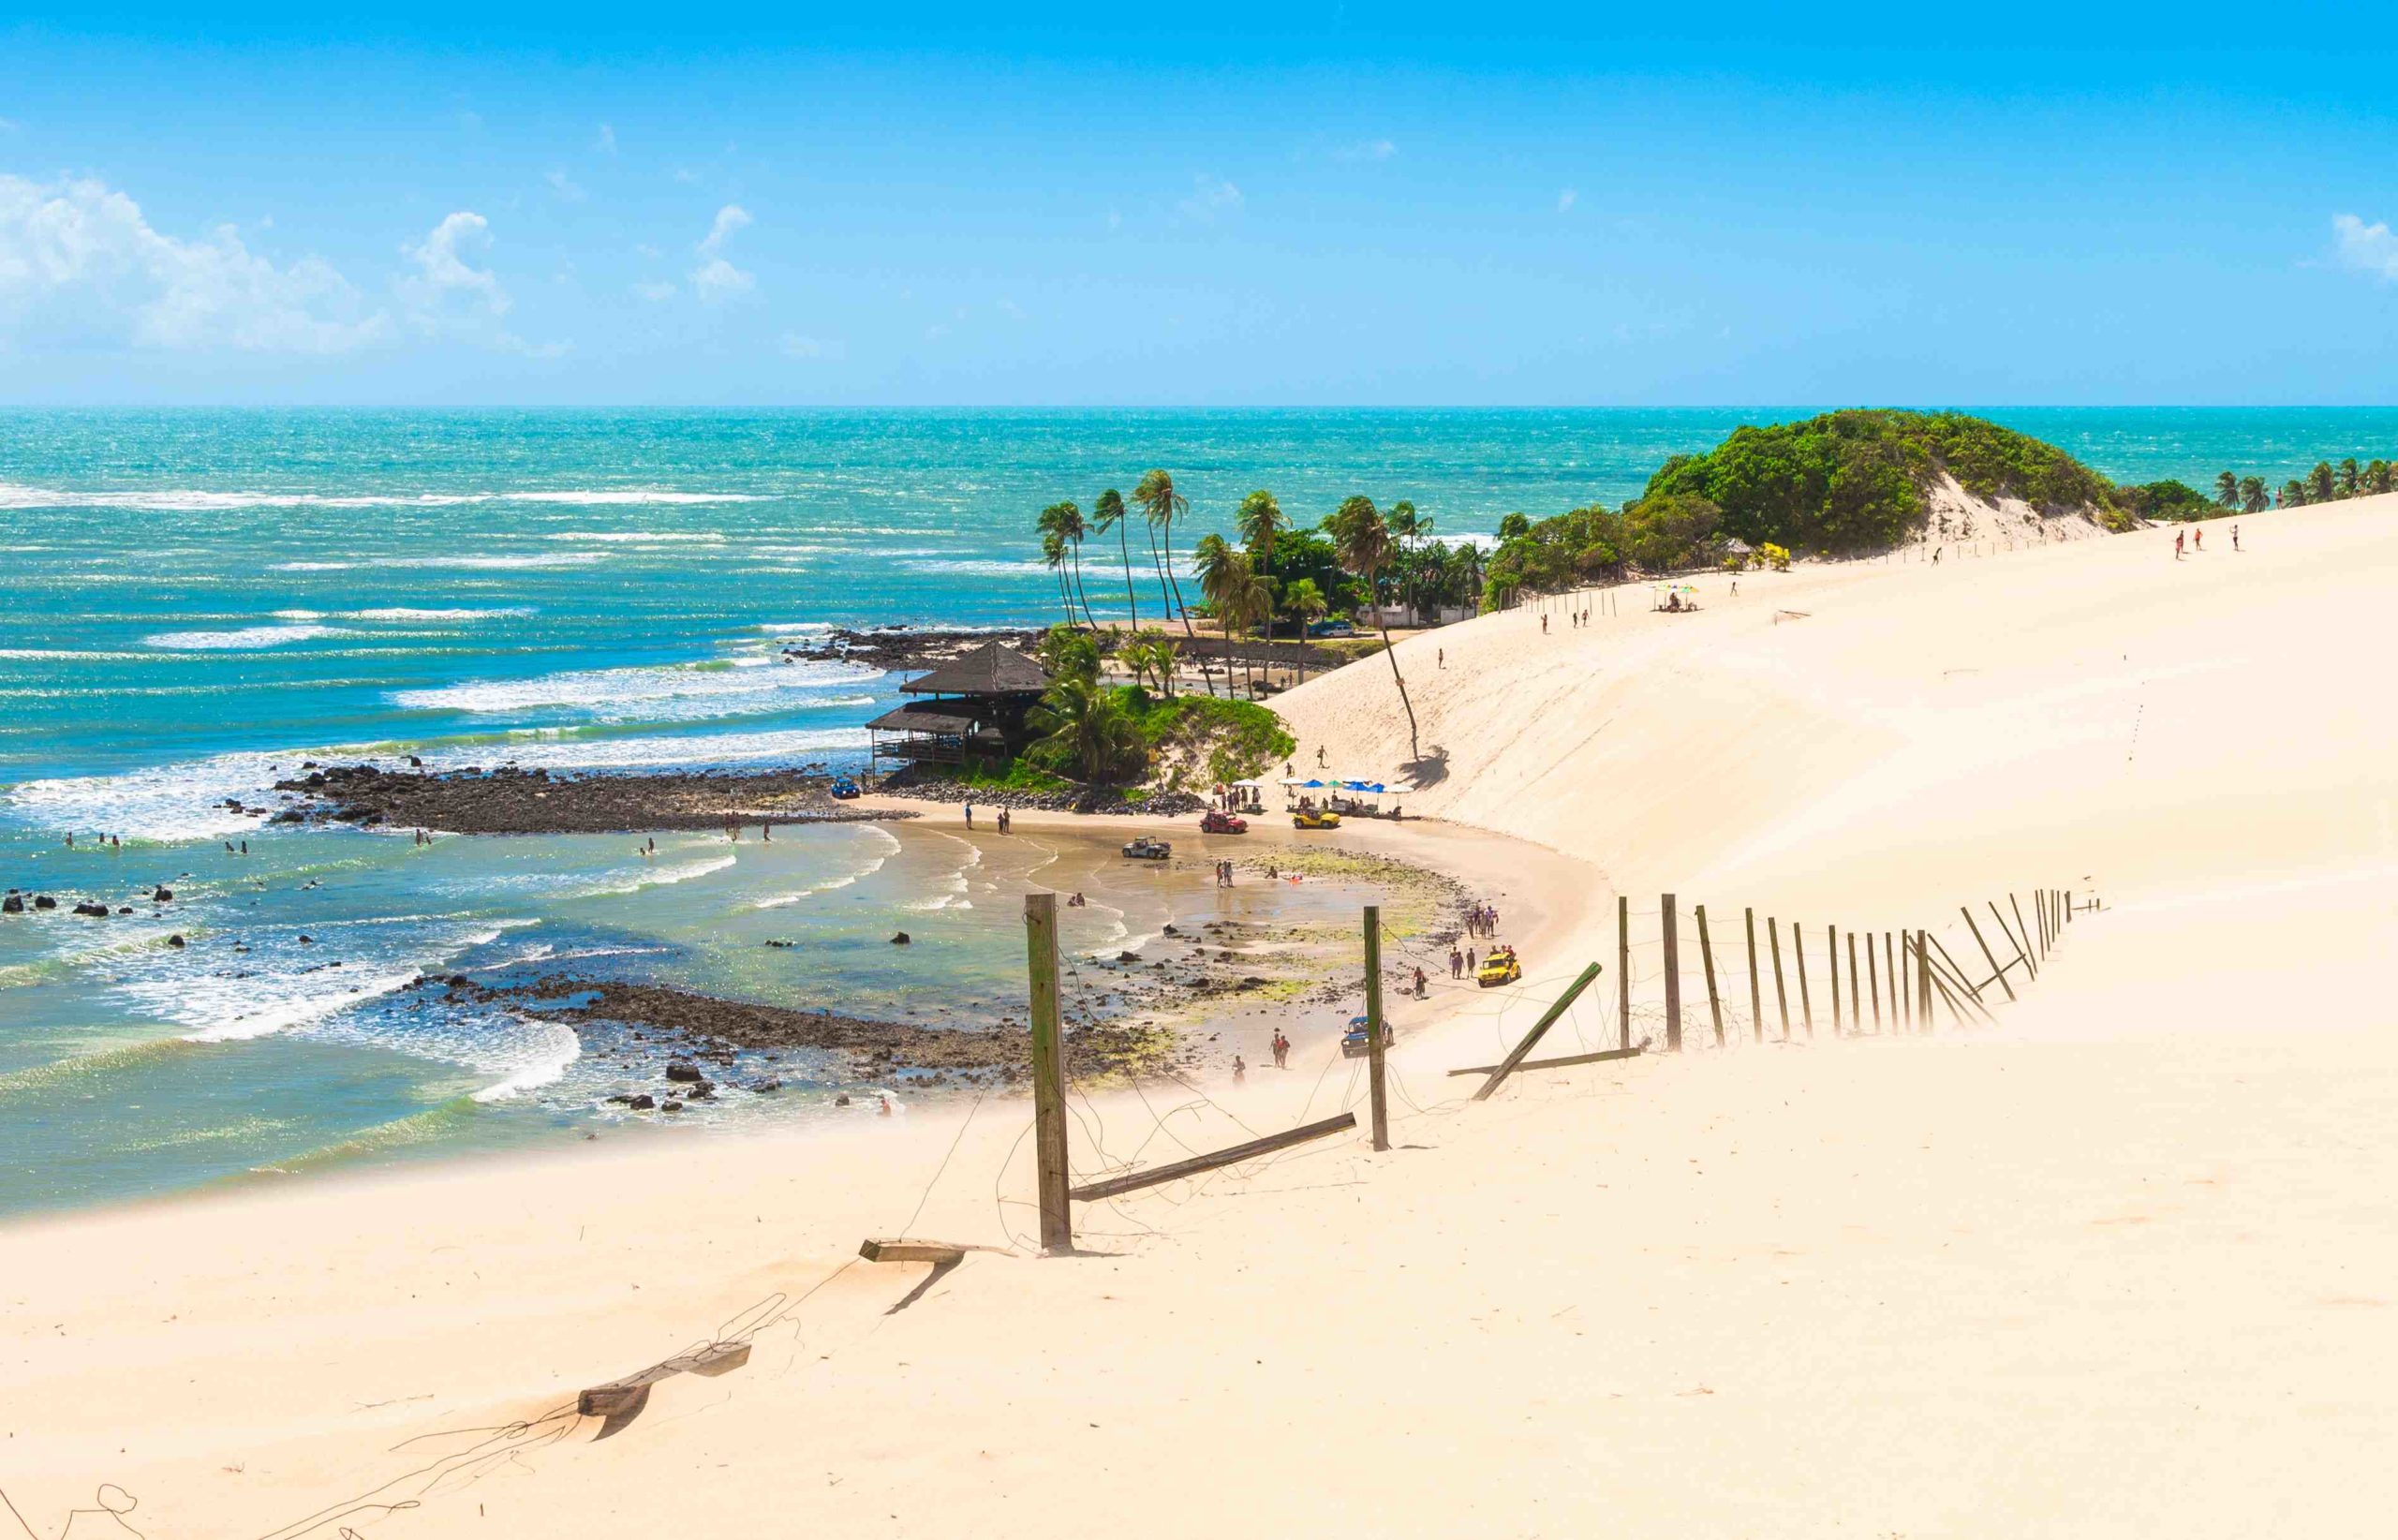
(1706, 962)
(1780, 996)
(1673, 978)
(2000, 972)
(1048, 1074)
(1623, 972)
(1806, 1006)
(1872, 978)
(1757, 985)
(1922, 983)
(1375, 1033)
(2030, 970)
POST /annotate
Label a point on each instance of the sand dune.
(2118, 1267)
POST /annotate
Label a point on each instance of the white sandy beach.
(2119, 1266)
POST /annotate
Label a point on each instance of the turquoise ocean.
(193, 601)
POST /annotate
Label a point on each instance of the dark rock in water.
(289, 815)
(415, 763)
(678, 1070)
(765, 1088)
(842, 1100)
(642, 1103)
(671, 1107)
(702, 1090)
(1128, 957)
(126, 908)
(900, 939)
(1169, 930)
(175, 941)
(234, 803)
(784, 944)
(307, 940)
(13, 904)
(163, 896)
(98, 912)
(43, 900)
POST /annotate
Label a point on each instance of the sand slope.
(2119, 1266)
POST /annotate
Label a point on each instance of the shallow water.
(192, 602)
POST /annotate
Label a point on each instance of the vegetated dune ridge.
(2118, 1266)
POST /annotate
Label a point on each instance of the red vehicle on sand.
(1223, 823)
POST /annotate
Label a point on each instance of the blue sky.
(1245, 205)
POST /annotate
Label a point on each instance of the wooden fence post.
(1706, 962)
(1856, 1020)
(1623, 972)
(2023, 953)
(1947, 969)
(1673, 977)
(2024, 946)
(1375, 1033)
(1048, 1074)
(1757, 985)
(1898, 981)
(1831, 956)
(1985, 951)
(1806, 1006)
(1872, 979)
(1922, 982)
(1781, 995)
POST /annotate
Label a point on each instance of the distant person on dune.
(2235, 539)
(2197, 539)
(2179, 536)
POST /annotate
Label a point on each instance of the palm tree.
(1161, 505)
(1088, 723)
(1106, 514)
(1304, 602)
(1261, 519)
(1065, 522)
(1363, 539)
(2350, 476)
(2321, 486)
(1214, 562)
(2378, 477)
(2227, 490)
(1252, 598)
(1409, 526)
(2253, 497)
(2293, 494)
(1053, 554)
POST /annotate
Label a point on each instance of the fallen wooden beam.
(1560, 1064)
(934, 1251)
(625, 1396)
(1517, 1054)
(1133, 1181)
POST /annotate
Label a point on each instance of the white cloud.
(564, 186)
(1373, 149)
(80, 262)
(1211, 196)
(444, 271)
(795, 345)
(2367, 248)
(606, 142)
(656, 291)
(716, 277)
(1566, 200)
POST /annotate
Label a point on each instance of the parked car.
(844, 788)
(1223, 823)
(1314, 818)
(1357, 1044)
(1145, 848)
(1332, 628)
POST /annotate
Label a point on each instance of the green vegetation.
(2325, 483)
(1123, 734)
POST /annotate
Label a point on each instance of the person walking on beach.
(1544, 623)
(1240, 1071)
(2198, 537)
(2179, 536)
(1282, 1050)
(1456, 963)
(2235, 539)
(1469, 960)
(1441, 657)
(1319, 756)
(970, 815)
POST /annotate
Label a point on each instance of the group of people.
(732, 831)
(2197, 536)
(1482, 919)
(112, 842)
(1223, 874)
(1005, 822)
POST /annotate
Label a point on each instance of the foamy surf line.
(196, 500)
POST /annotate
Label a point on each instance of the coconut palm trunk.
(1415, 749)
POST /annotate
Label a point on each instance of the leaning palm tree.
(1363, 539)
(2321, 486)
(2226, 489)
(1106, 514)
(2378, 477)
(1071, 524)
(1161, 505)
(2352, 478)
(1052, 555)
(1064, 522)
(1216, 565)
(2253, 497)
